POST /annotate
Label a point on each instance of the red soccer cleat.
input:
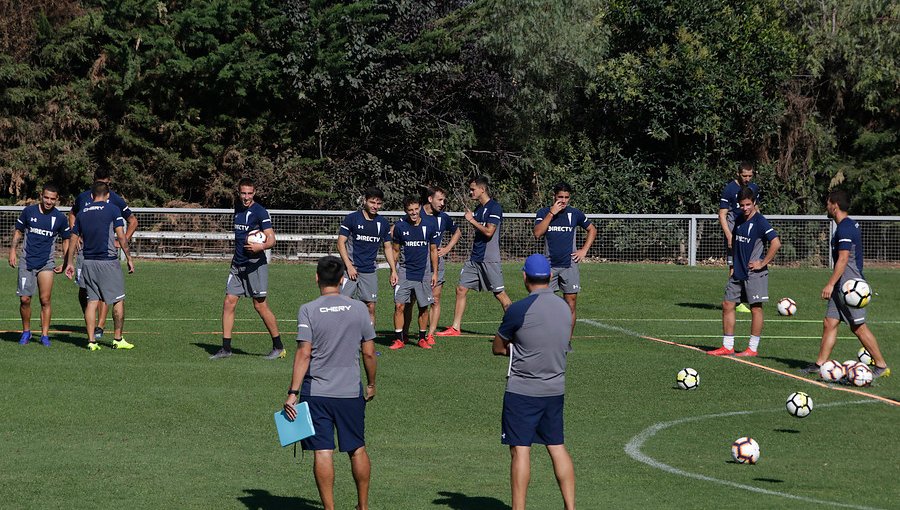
(398, 344)
(451, 331)
(424, 344)
(721, 351)
(430, 339)
(747, 353)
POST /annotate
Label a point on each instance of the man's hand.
(253, 247)
(13, 257)
(370, 392)
(826, 292)
(579, 255)
(351, 272)
(395, 278)
(442, 251)
(58, 269)
(433, 280)
(756, 265)
(557, 207)
(70, 271)
(728, 237)
(289, 408)
(130, 264)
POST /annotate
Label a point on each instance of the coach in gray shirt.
(332, 331)
(535, 334)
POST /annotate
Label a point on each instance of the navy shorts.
(528, 420)
(347, 415)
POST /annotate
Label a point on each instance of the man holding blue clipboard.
(332, 331)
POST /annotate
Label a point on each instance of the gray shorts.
(28, 278)
(103, 280)
(365, 287)
(839, 310)
(729, 220)
(422, 290)
(248, 281)
(79, 264)
(567, 279)
(441, 268)
(482, 276)
(751, 291)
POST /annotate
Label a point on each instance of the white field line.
(633, 449)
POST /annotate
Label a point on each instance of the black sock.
(422, 334)
(117, 339)
(399, 335)
(276, 342)
(226, 344)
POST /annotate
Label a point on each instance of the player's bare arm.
(488, 230)
(131, 227)
(370, 363)
(433, 254)
(301, 365)
(839, 266)
(13, 247)
(258, 247)
(581, 254)
(345, 257)
(541, 228)
(500, 347)
(123, 243)
(723, 222)
(453, 240)
(62, 265)
(392, 262)
(774, 246)
(70, 255)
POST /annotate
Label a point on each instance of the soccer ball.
(256, 237)
(849, 364)
(745, 450)
(860, 375)
(864, 357)
(832, 371)
(786, 306)
(687, 379)
(857, 293)
(799, 404)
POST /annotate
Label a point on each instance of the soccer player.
(730, 214)
(331, 332)
(82, 201)
(483, 270)
(366, 230)
(556, 224)
(97, 227)
(749, 280)
(40, 224)
(535, 334)
(249, 275)
(433, 204)
(415, 244)
(847, 254)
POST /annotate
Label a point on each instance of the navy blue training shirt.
(246, 220)
(415, 246)
(40, 231)
(559, 240)
(728, 199)
(748, 243)
(848, 236)
(486, 249)
(96, 224)
(365, 237)
(86, 198)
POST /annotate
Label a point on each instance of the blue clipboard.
(289, 432)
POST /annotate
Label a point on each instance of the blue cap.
(537, 265)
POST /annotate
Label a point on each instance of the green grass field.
(162, 427)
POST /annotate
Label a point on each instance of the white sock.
(728, 341)
(754, 343)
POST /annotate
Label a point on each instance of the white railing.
(664, 238)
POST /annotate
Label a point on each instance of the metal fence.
(676, 238)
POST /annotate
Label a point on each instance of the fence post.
(692, 242)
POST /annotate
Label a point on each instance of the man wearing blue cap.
(535, 334)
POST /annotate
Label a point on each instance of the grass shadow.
(701, 306)
(260, 499)
(787, 431)
(214, 348)
(789, 362)
(458, 501)
(770, 480)
(78, 340)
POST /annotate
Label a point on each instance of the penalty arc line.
(741, 360)
(633, 450)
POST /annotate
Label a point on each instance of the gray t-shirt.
(335, 325)
(539, 329)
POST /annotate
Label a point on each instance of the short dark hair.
(562, 186)
(431, 190)
(373, 192)
(330, 270)
(537, 280)
(745, 193)
(481, 180)
(102, 173)
(841, 198)
(99, 189)
(744, 165)
(50, 187)
(246, 181)
(410, 200)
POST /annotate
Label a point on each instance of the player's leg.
(829, 339)
(733, 291)
(504, 300)
(25, 312)
(492, 276)
(90, 321)
(261, 305)
(460, 307)
(25, 289)
(434, 313)
(370, 305)
(756, 327)
(867, 339)
(228, 310)
(519, 475)
(102, 312)
(45, 289)
(572, 301)
(469, 278)
(423, 327)
(118, 319)
(323, 469)
(565, 473)
(407, 321)
(399, 314)
(362, 470)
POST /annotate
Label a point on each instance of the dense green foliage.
(646, 106)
